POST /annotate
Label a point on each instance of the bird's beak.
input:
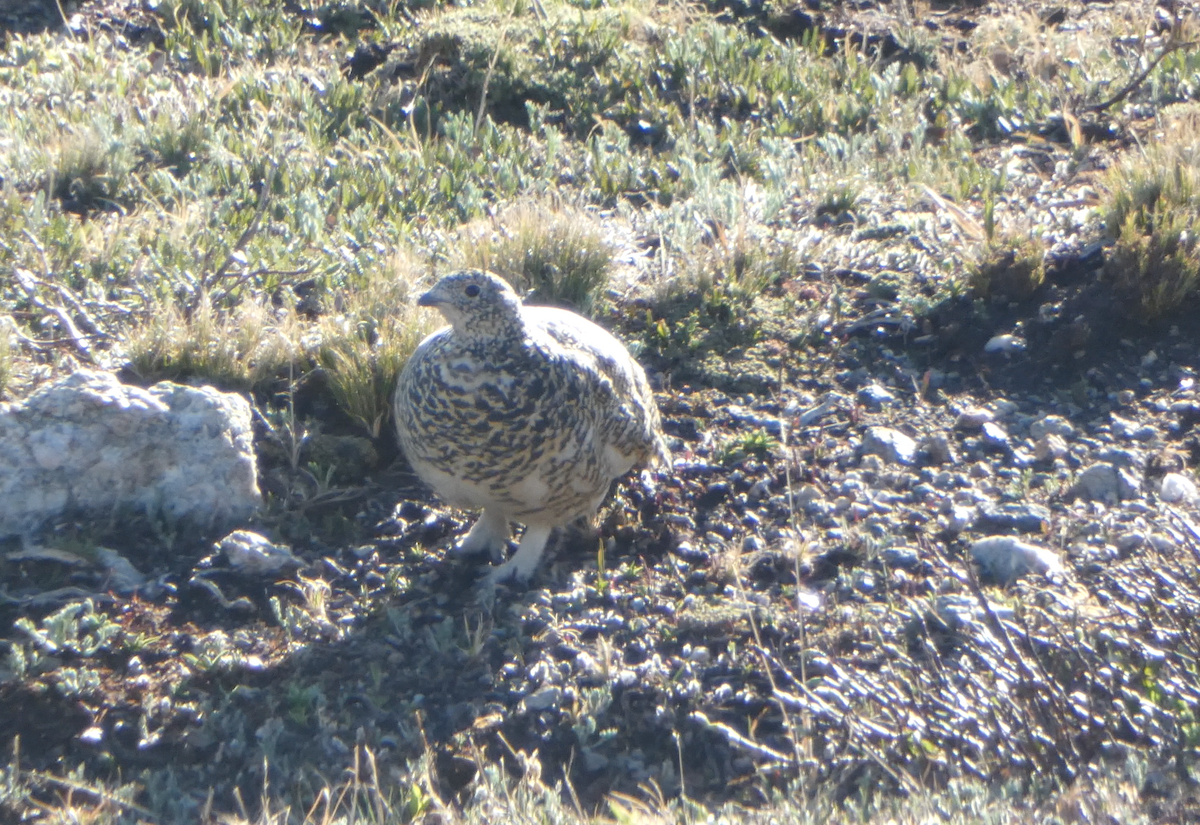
(428, 300)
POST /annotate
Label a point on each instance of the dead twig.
(264, 200)
(1137, 81)
(28, 283)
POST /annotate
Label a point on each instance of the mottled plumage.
(528, 413)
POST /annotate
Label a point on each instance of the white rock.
(251, 553)
(1107, 483)
(1007, 344)
(1006, 558)
(957, 520)
(893, 445)
(88, 443)
(1177, 488)
(1051, 425)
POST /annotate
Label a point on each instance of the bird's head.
(475, 303)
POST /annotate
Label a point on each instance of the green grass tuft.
(557, 257)
(1153, 215)
(363, 348)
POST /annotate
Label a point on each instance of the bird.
(528, 413)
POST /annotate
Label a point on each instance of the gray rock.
(901, 556)
(543, 698)
(1049, 447)
(939, 449)
(875, 396)
(1127, 428)
(973, 418)
(123, 577)
(253, 554)
(771, 424)
(88, 444)
(1177, 488)
(892, 445)
(1006, 559)
(1128, 542)
(1051, 425)
(1027, 518)
(1107, 483)
(994, 436)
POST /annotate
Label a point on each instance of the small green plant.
(758, 443)
(76, 682)
(301, 702)
(92, 173)
(476, 634)
(77, 629)
(311, 617)
(214, 652)
(593, 702)
(1009, 269)
(601, 570)
(557, 257)
(838, 201)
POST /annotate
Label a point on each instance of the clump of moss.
(1008, 269)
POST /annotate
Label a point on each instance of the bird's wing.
(592, 365)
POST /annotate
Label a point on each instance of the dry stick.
(1141, 78)
(487, 78)
(250, 231)
(47, 280)
(1053, 691)
(257, 273)
(27, 282)
(77, 787)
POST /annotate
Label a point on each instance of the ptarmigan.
(526, 412)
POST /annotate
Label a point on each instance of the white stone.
(1006, 558)
(88, 444)
(892, 445)
(1007, 344)
(251, 553)
(1052, 425)
(1177, 488)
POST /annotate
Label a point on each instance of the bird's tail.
(662, 453)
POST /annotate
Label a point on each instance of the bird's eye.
(472, 290)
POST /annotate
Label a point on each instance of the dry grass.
(556, 256)
(364, 345)
(238, 349)
(1153, 215)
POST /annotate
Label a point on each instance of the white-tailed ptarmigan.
(528, 413)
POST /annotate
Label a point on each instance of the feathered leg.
(521, 566)
(490, 533)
